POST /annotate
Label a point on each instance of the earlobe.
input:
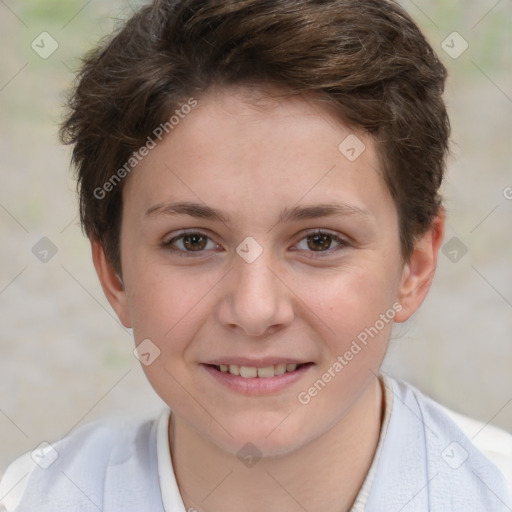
(111, 283)
(418, 273)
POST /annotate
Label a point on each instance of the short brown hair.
(365, 58)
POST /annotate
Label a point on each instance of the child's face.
(304, 299)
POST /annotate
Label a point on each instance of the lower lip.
(257, 385)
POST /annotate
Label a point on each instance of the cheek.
(166, 308)
(357, 306)
(351, 298)
(165, 301)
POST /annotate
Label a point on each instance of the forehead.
(247, 154)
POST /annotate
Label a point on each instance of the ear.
(418, 273)
(111, 283)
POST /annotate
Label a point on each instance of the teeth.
(252, 372)
(268, 371)
(279, 369)
(248, 371)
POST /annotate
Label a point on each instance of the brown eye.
(186, 244)
(319, 242)
(194, 242)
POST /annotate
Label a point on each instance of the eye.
(194, 243)
(321, 241)
(188, 243)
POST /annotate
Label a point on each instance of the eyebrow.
(297, 213)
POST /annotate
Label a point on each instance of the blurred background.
(65, 358)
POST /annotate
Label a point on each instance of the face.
(249, 239)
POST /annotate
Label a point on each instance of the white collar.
(171, 497)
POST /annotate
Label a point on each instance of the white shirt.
(423, 462)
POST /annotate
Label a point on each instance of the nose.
(255, 299)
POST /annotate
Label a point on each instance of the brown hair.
(366, 58)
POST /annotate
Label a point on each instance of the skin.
(251, 158)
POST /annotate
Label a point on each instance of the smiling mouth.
(251, 372)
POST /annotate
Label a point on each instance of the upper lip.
(257, 363)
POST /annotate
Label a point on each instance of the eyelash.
(317, 254)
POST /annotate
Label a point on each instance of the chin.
(263, 441)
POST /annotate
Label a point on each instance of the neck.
(325, 474)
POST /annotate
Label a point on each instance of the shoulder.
(456, 471)
(90, 467)
(493, 442)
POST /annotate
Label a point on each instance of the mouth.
(253, 372)
(262, 380)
